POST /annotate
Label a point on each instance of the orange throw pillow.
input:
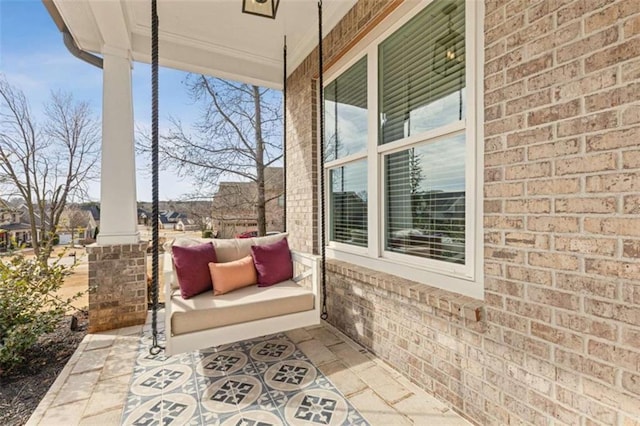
(231, 276)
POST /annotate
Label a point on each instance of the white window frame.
(464, 279)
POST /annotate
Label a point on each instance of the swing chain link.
(324, 315)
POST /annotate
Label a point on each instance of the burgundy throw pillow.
(192, 268)
(273, 262)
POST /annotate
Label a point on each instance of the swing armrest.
(168, 275)
(310, 268)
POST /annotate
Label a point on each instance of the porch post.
(118, 208)
(117, 263)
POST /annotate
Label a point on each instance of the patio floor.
(93, 387)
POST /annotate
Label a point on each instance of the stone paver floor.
(93, 386)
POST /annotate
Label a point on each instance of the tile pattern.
(261, 382)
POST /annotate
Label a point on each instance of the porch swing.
(207, 320)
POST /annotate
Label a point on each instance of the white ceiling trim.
(223, 45)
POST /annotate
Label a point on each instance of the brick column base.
(117, 286)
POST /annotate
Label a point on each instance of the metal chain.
(324, 314)
(155, 347)
(284, 134)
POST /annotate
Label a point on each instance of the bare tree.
(238, 134)
(46, 163)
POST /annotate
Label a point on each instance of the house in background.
(235, 210)
(77, 224)
(15, 226)
(529, 108)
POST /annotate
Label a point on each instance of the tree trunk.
(262, 216)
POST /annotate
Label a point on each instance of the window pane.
(422, 72)
(345, 112)
(349, 204)
(425, 200)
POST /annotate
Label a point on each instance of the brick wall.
(557, 337)
(117, 286)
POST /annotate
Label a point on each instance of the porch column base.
(117, 286)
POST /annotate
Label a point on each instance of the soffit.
(204, 36)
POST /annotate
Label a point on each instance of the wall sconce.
(264, 8)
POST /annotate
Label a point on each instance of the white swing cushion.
(206, 311)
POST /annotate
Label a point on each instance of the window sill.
(461, 306)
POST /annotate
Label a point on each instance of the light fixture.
(449, 49)
(265, 8)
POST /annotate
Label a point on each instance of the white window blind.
(348, 203)
(422, 72)
(425, 200)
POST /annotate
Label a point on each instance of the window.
(401, 126)
(346, 118)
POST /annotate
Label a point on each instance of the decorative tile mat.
(260, 382)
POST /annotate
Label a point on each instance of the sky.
(34, 59)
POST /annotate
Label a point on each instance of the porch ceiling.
(211, 37)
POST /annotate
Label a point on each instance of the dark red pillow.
(192, 268)
(273, 262)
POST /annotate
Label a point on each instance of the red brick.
(614, 354)
(586, 406)
(613, 226)
(528, 206)
(528, 102)
(530, 136)
(554, 260)
(617, 182)
(554, 113)
(555, 298)
(581, 324)
(510, 25)
(600, 246)
(586, 205)
(613, 139)
(505, 287)
(553, 149)
(586, 85)
(586, 164)
(504, 125)
(528, 68)
(504, 157)
(529, 274)
(631, 204)
(631, 115)
(615, 311)
(553, 186)
(502, 190)
(553, 39)
(587, 45)
(557, 336)
(520, 239)
(529, 310)
(555, 76)
(535, 347)
(504, 254)
(631, 337)
(585, 365)
(613, 55)
(527, 171)
(613, 268)
(588, 123)
(631, 249)
(552, 224)
(631, 382)
(612, 98)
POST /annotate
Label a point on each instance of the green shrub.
(207, 234)
(28, 305)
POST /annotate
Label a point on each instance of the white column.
(118, 208)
